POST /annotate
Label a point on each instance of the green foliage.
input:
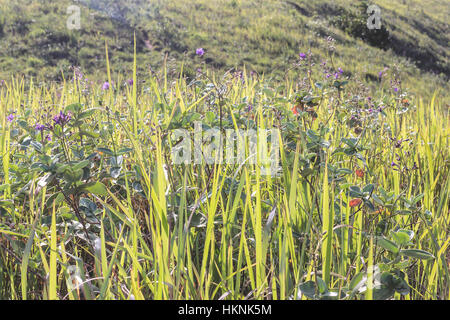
(92, 200)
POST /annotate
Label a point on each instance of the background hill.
(264, 36)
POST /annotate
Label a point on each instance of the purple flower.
(370, 110)
(62, 118)
(398, 143)
(328, 75)
(130, 82)
(380, 74)
(336, 75)
(48, 137)
(10, 118)
(393, 164)
(39, 127)
(340, 70)
(302, 56)
(395, 89)
(200, 52)
(105, 86)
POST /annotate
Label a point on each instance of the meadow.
(94, 207)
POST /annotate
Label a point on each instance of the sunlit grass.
(168, 231)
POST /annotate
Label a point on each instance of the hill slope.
(263, 36)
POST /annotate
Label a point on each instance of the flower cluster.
(39, 127)
(339, 73)
(61, 118)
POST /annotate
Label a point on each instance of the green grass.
(104, 195)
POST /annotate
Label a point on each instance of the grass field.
(94, 207)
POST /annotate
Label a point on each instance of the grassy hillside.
(263, 36)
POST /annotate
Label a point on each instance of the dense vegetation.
(263, 36)
(93, 204)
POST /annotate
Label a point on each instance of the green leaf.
(345, 186)
(417, 253)
(356, 279)
(331, 295)
(410, 233)
(89, 133)
(355, 189)
(357, 283)
(369, 205)
(306, 172)
(417, 198)
(57, 197)
(403, 212)
(87, 113)
(96, 188)
(74, 108)
(123, 151)
(355, 192)
(210, 117)
(321, 285)
(387, 244)
(36, 145)
(7, 204)
(400, 238)
(81, 165)
(61, 168)
(312, 135)
(377, 199)
(73, 175)
(344, 171)
(368, 188)
(106, 151)
(383, 293)
(308, 288)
